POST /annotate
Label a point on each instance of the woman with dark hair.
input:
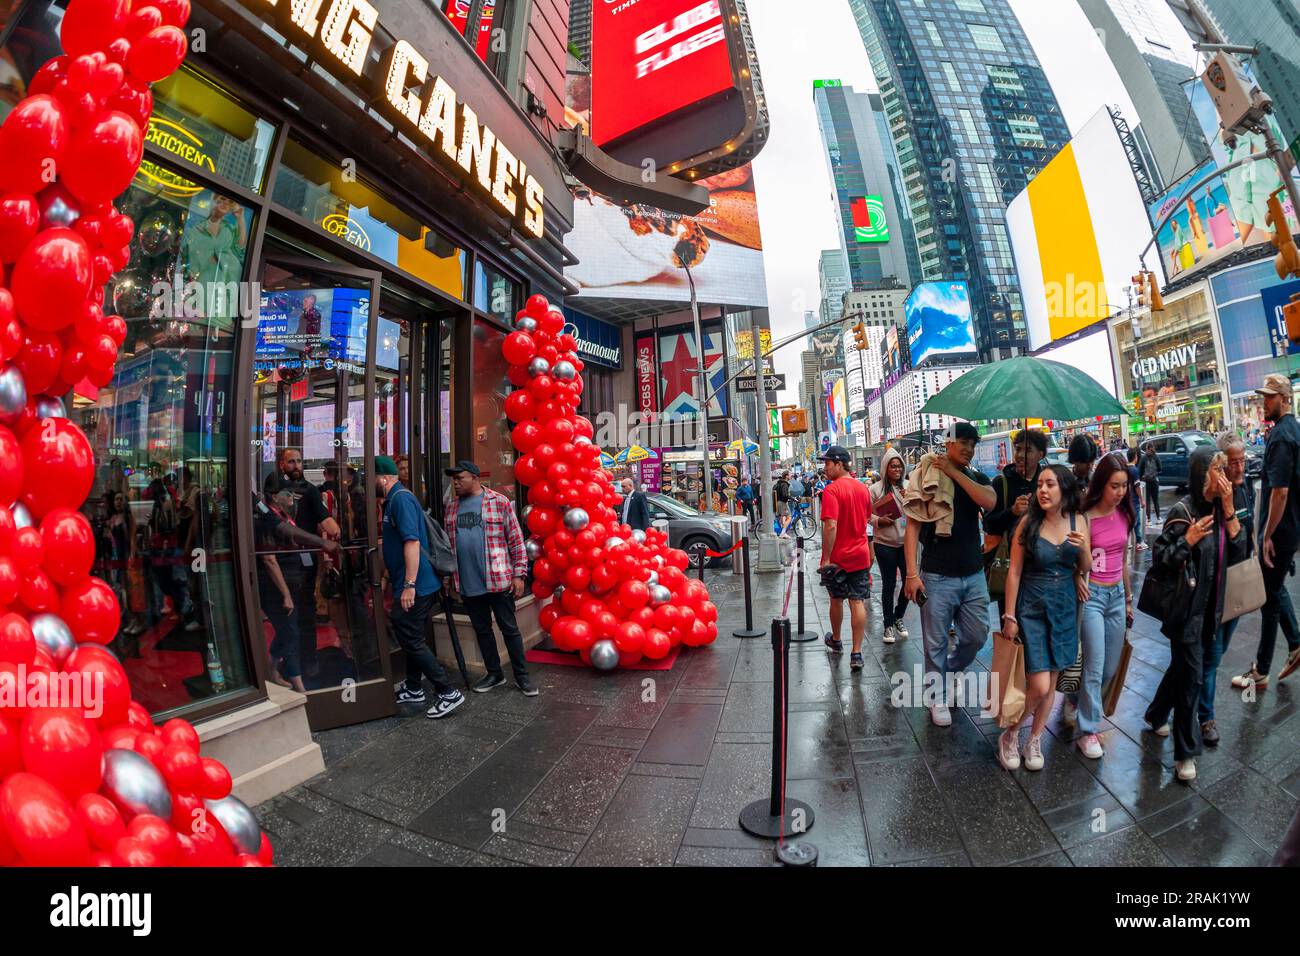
(1108, 611)
(1201, 533)
(1151, 478)
(889, 543)
(1050, 558)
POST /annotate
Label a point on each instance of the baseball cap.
(835, 453)
(961, 431)
(385, 465)
(462, 465)
(1275, 384)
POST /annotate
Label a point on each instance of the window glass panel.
(1025, 130)
(935, 37)
(951, 75)
(971, 6)
(1005, 79)
(349, 209)
(986, 38)
(495, 293)
(492, 450)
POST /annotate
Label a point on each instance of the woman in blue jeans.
(1108, 506)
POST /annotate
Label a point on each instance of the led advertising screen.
(869, 222)
(651, 59)
(939, 322)
(1201, 226)
(891, 354)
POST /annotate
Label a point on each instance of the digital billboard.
(939, 322)
(1201, 226)
(891, 354)
(869, 222)
(1076, 232)
(1089, 354)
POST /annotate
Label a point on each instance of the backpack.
(439, 553)
(783, 490)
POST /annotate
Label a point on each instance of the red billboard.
(458, 14)
(647, 377)
(651, 59)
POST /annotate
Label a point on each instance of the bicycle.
(801, 519)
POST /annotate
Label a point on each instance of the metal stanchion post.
(801, 636)
(749, 630)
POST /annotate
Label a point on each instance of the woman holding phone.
(1047, 580)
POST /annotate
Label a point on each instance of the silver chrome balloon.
(533, 548)
(604, 655)
(581, 440)
(613, 541)
(564, 371)
(538, 366)
(13, 394)
(238, 822)
(638, 536)
(659, 595)
(659, 560)
(22, 517)
(526, 323)
(50, 406)
(576, 519)
(653, 579)
(54, 635)
(134, 785)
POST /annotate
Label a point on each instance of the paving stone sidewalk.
(607, 769)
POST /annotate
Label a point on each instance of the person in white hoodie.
(889, 542)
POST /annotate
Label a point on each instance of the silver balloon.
(238, 822)
(133, 784)
(50, 406)
(523, 515)
(533, 548)
(53, 635)
(538, 366)
(575, 519)
(56, 210)
(13, 394)
(581, 440)
(659, 560)
(659, 595)
(638, 536)
(653, 579)
(22, 517)
(131, 294)
(564, 371)
(526, 323)
(604, 656)
(157, 233)
(613, 541)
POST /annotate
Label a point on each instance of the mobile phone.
(920, 599)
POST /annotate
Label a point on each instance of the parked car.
(691, 530)
(1175, 449)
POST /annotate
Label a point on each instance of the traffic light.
(1140, 283)
(1287, 262)
(1153, 293)
(860, 337)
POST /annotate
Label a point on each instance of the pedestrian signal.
(794, 421)
(1287, 262)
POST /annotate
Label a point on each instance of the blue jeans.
(1102, 638)
(1213, 654)
(960, 601)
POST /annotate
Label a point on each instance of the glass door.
(318, 424)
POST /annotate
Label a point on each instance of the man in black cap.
(846, 551)
(949, 575)
(491, 564)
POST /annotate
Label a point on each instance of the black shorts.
(850, 585)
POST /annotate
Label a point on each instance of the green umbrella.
(1024, 387)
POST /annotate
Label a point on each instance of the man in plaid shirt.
(491, 565)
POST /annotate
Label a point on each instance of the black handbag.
(1168, 597)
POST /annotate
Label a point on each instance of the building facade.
(1273, 27)
(833, 281)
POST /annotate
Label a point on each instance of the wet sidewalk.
(653, 767)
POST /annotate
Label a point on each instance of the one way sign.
(749, 383)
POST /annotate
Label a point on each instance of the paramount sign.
(1174, 358)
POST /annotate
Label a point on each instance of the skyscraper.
(973, 119)
(873, 225)
(1273, 26)
(580, 30)
(833, 276)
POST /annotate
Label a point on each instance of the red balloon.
(180, 731)
(525, 435)
(542, 521)
(174, 12)
(156, 55)
(518, 375)
(33, 142)
(644, 616)
(519, 403)
(19, 220)
(581, 635)
(518, 348)
(547, 617)
(103, 156)
(131, 852)
(63, 747)
(89, 25)
(656, 645)
(11, 758)
(577, 577)
(17, 645)
(52, 278)
(629, 639)
(542, 591)
(558, 431)
(41, 824)
(157, 835)
(603, 577)
(571, 601)
(633, 594)
(98, 667)
(121, 737)
(265, 852)
(68, 545)
(149, 746)
(90, 609)
(39, 360)
(37, 592)
(526, 470)
(139, 718)
(541, 386)
(536, 306)
(28, 549)
(543, 455)
(58, 466)
(99, 816)
(181, 767)
(607, 624)
(141, 21)
(188, 812)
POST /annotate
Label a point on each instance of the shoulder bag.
(1168, 597)
(1000, 563)
(1070, 680)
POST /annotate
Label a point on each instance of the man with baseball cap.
(846, 551)
(949, 575)
(1279, 492)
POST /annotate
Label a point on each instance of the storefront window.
(348, 209)
(160, 431)
(492, 450)
(494, 293)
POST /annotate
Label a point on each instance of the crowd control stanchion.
(749, 631)
(779, 816)
(800, 636)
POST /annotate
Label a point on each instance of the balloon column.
(85, 776)
(616, 595)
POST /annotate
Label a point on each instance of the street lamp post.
(702, 384)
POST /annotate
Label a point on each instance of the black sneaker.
(445, 704)
(855, 662)
(488, 682)
(408, 696)
(832, 643)
(527, 688)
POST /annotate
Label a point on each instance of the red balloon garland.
(93, 782)
(615, 595)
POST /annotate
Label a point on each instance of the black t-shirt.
(960, 554)
(1281, 454)
(310, 510)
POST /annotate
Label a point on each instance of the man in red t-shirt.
(846, 511)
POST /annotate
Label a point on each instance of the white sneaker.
(1186, 769)
(1090, 746)
(900, 631)
(1142, 545)
(1034, 752)
(1070, 712)
(1009, 749)
(1161, 731)
(889, 634)
(940, 715)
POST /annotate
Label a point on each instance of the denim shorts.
(850, 585)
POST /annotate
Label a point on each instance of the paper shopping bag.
(1110, 693)
(1007, 695)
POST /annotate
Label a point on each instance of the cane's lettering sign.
(341, 31)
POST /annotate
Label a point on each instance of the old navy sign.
(340, 32)
(1167, 361)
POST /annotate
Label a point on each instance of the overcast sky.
(794, 190)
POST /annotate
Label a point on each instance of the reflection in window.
(494, 293)
(492, 450)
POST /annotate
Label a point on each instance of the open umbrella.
(743, 445)
(1024, 387)
(607, 460)
(635, 453)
